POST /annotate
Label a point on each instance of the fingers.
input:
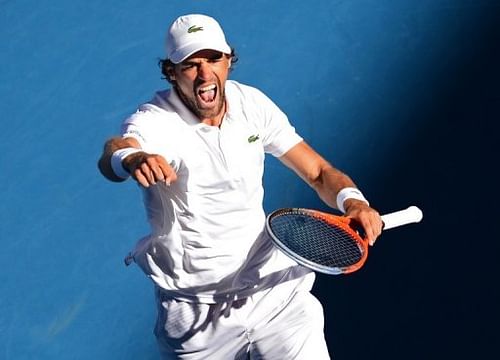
(369, 220)
(150, 169)
(373, 228)
(168, 173)
(144, 175)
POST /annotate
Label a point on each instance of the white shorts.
(276, 323)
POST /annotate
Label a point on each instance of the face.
(200, 82)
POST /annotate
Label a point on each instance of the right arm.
(146, 169)
(328, 181)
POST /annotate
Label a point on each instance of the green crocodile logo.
(194, 29)
(253, 138)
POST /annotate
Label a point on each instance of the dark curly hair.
(166, 65)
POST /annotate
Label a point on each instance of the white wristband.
(349, 193)
(117, 158)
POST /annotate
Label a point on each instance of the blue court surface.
(401, 95)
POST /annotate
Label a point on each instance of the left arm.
(328, 181)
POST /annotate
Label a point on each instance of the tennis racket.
(324, 242)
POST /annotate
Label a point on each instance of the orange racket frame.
(410, 215)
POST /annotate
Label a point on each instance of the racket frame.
(412, 214)
(336, 221)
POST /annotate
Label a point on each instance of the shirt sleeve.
(146, 125)
(140, 127)
(279, 135)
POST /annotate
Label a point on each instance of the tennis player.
(197, 150)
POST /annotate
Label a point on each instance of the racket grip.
(402, 217)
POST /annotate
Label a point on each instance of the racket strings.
(317, 240)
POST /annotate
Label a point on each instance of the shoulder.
(248, 98)
(236, 88)
(157, 109)
(155, 124)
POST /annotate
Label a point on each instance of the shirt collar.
(181, 109)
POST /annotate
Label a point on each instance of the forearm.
(317, 172)
(111, 145)
(328, 182)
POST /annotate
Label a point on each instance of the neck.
(217, 119)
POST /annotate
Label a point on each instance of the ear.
(171, 73)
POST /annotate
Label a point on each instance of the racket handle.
(402, 217)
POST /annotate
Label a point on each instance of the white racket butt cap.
(402, 217)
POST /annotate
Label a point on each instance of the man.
(223, 291)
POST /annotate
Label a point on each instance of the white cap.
(191, 33)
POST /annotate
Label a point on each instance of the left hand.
(368, 218)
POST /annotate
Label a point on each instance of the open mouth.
(208, 93)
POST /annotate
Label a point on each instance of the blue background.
(403, 96)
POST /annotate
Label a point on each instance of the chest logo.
(253, 138)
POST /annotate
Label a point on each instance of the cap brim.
(186, 51)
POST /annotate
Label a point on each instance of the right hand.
(148, 169)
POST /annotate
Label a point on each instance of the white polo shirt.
(208, 242)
